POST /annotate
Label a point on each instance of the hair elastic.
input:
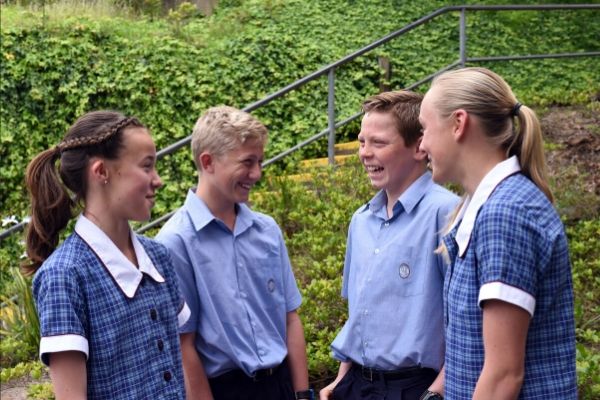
(515, 109)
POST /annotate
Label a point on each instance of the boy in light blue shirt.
(244, 339)
(392, 345)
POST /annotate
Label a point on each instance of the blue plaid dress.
(125, 322)
(517, 241)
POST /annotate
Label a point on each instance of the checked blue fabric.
(517, 252)
(127, 329)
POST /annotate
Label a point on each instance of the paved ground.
(14, 393)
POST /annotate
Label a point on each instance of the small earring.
(106, 181)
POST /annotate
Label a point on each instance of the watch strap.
(305, 394)
(429, 395)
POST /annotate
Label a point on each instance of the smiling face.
(390, 164)
(438, 140)
(234, 173)
(132, 177)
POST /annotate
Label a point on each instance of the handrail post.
(331, 116)
(463, 37)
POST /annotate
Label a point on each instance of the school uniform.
(509, 244)
(90, 298)
(240, 286)
(393, 282)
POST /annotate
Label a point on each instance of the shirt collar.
(198, 211)
(125, 274)
(468, 212)
(201, 215)
(409, 199)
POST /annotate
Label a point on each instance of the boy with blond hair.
(244, 339)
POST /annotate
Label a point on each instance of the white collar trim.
(468, 212)
(126, 275)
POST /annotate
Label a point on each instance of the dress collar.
(125, 274)
(468, 212)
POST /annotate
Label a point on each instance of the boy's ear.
(419, 154)
(206, 162)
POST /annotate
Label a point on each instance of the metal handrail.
(330, 71)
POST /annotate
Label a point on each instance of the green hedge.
(53, 71)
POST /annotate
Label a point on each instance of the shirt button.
(153, 314)
(376, 251)
(386, 224)
(160, 344)
(243, 294)
(240, 265)
(167, 376)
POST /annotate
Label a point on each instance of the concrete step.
(323, 162)
(347, 148)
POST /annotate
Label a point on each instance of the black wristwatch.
(429, 395)
(305, 394)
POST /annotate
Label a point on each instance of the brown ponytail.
(51, 207)
(97, 133)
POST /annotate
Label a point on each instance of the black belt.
(236, 374)
(373, 374)
(265, 373)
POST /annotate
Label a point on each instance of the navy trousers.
(236, 385)
(356, 385)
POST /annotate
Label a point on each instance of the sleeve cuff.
(507, 293)
(294, 304)
(184, 315)
(59, 343)
(339, 356)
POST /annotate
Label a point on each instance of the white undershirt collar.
(468, 212)
(125, 274)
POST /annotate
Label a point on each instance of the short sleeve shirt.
(239, 285)
(510, 245)
(124, 319)
(393, 280)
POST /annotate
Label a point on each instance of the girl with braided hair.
(508, 291)
(107, 299)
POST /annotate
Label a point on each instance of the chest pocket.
(404, 267)
(268, 281)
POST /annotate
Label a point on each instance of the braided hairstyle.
(97, 133)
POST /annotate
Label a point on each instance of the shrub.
(585, 257)
(20, 330)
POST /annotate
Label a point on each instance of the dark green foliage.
(167, 73)
(585, 256)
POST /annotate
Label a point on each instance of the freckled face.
(387, 160)
(437, 140)
(133, 178)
